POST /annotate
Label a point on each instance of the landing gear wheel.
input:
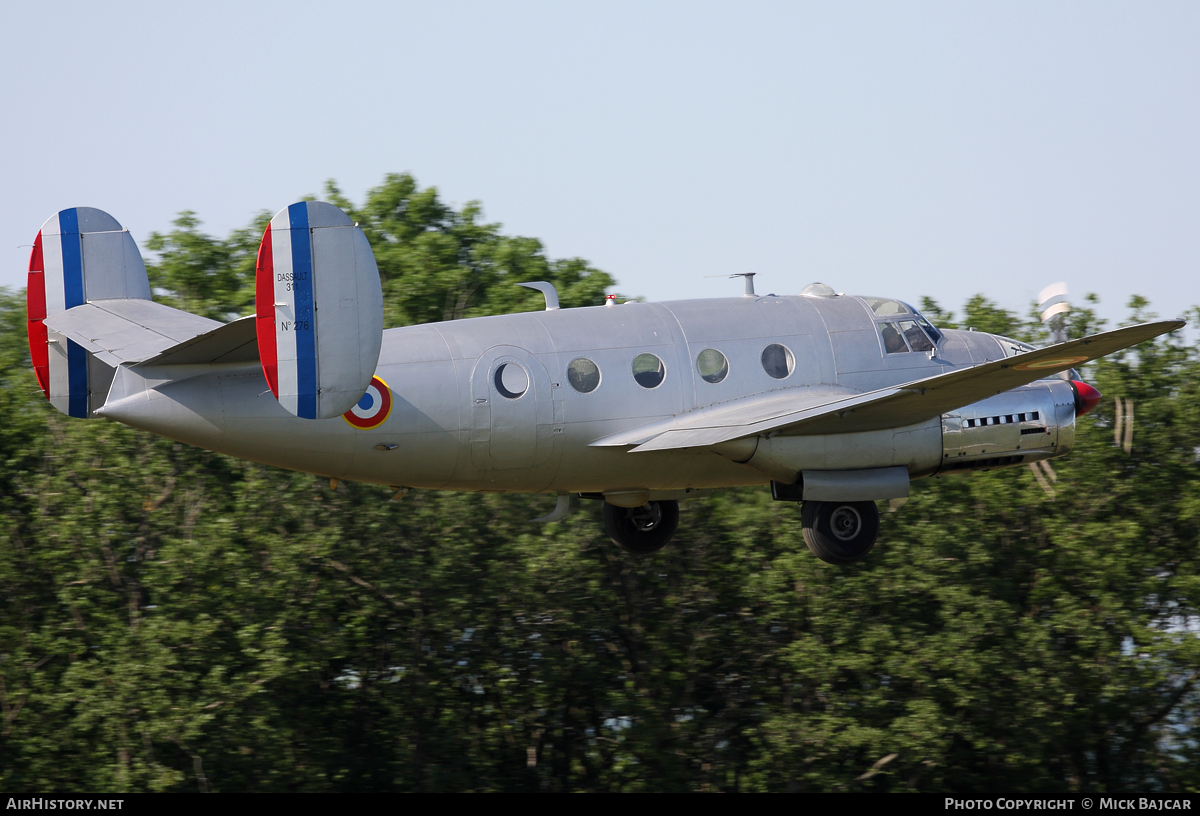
(642, 530)
(840, 532)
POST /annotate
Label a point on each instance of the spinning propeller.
(1054, 308)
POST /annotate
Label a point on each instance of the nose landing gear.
(642, 530)
(840, 532)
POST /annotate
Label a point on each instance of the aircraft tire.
(840, 532)
(642, 530)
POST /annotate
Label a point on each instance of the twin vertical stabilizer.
(318, 321)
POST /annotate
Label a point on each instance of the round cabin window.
(648, 370)
(712, 365)
(511, 380)
(583, 375)
(778, 361)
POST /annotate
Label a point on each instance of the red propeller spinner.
(1086, 397)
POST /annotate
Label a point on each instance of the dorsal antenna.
(749, 276)
(546, 289)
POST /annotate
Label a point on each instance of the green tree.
(435, 263)
(439, 264)
(202, 274)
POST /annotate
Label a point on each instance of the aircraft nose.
(1086, 397)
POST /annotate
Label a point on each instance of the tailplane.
(317, 330)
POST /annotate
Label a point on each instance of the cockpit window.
(929, 328)
(887, 308)
(904, 335)
(916, 338)
(893, 341)
(919, 332)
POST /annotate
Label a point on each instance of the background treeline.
(172, 619)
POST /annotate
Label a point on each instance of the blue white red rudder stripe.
(81, 255)
(319, 309)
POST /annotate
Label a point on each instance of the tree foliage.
(435, 262)
(173, 619)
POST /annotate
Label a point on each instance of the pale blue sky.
(884, 148)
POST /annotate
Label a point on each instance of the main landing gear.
(642, 530)
(836, 532)
(840, 532)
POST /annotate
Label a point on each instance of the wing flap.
(714, 435)
(746, 411)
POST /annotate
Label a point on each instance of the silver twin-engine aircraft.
(835, 401)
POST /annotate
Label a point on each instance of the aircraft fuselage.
(486, 404)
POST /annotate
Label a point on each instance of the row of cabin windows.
(649, 371)
(778, 362)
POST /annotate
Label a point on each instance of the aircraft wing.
(125, 330)
(800, 412)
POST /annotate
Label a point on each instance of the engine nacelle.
(915, 450)
(1036, 421)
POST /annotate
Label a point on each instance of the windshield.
(887, 307)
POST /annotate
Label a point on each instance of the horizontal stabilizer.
(231, 343)
(126, 331)
(892, 407)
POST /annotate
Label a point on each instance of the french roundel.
(373, 409)
(1060, 362)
